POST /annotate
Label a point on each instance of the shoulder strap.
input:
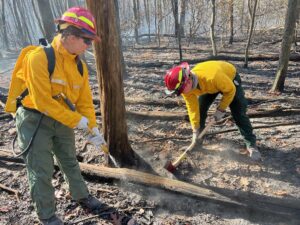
(51, 58)
(79, 65)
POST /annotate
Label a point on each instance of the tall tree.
(289, 28)
(110, 80)
(175, 14)
(136, 20)
(47, 18)
(182, 17)
(252, 12)
(177, 26)
(3, 24)
(231, 21)
(147, 14)
(212, 27)
(19, 24)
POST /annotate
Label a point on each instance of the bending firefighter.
(45, 113)
(199, 88)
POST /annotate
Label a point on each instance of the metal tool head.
(170, 167)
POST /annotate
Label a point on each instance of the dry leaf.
(244, 182)
(281, 193)
(4, 209)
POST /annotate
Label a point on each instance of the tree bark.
(231, 21)
(4, 29)
(175, 15)
(47, 18)
(253, 11)
(212, 27)
(136, 21)
(182, 18)
(110, 79)
(289, 28)
(147, 14)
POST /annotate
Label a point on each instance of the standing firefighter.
(56, 102)
(199, 88)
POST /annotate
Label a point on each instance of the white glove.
(195, 135)
(219, 115)
(83, 123)
(96, 138)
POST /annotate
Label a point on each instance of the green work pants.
(238, 108)
(52, 139)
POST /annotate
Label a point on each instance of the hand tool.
(171, 166)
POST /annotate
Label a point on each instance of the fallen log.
(136, 176)
(131, 175)
(168, 103)
(176, 115)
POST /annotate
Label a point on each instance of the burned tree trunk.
(109, 71)
(290, 21)
(252, 12)
(212, 27)
(47, 18)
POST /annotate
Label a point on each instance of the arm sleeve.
(225, 85)
(39, 87)
(192, 106)
(84, 104)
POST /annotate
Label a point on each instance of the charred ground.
(217, 165)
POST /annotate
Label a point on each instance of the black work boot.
(53, 220)
(90, 202)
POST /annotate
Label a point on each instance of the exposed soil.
(219, 164)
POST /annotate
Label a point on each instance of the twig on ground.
(15, 192)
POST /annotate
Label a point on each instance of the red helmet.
(175, 79)
(81, 18)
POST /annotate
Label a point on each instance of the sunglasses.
(86, 40)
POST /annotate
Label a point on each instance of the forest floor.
(270, 188)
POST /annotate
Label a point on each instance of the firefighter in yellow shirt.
(45, 120)
(199, 88)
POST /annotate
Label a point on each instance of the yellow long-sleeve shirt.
(213, 77)
(65, 79)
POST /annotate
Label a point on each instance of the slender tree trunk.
(147, 14)
(124, 72)
(250, 34)
(242, 17)
(289, 27)
(159, 22)
(136, 21)
(19, 24)
(47, 18)
(22, 9)
(110, 80)
(182, 18)
(175, 14)
(38, 18)
(212, 27)
(231, 21)
(4, 29)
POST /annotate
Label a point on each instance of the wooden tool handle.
(192, 145)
